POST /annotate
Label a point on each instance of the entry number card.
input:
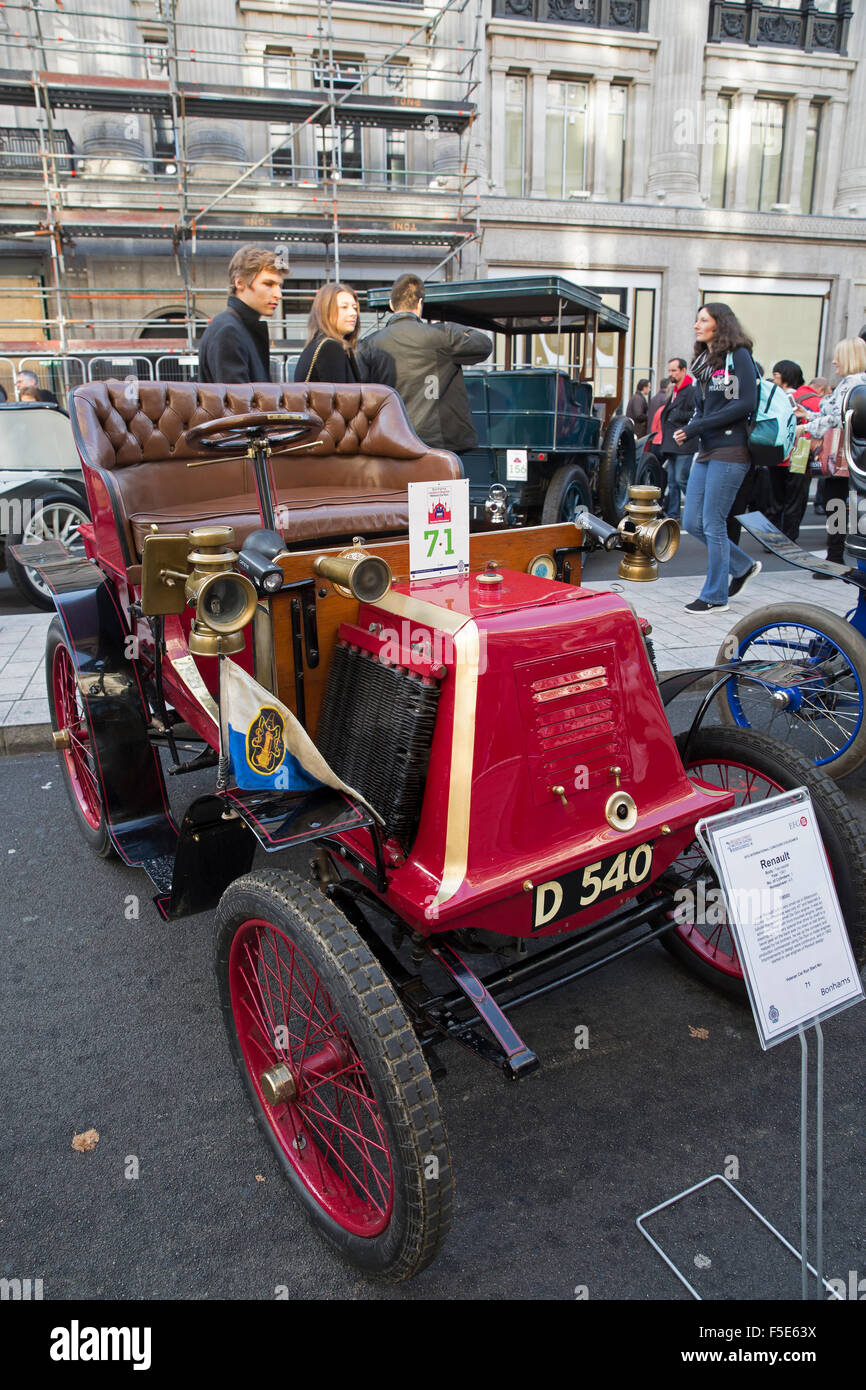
(784, 913)
(439, 528)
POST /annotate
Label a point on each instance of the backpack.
(773, 429)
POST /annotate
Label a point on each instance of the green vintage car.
(542, 435)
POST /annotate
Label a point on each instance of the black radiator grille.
(375, 730)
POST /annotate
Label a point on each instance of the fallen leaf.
(259, 1177)
(87, 1140)
(699, 1032)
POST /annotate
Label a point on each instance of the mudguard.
(137, 812)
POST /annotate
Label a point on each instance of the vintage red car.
(519, 810)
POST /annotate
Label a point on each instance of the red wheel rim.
(713, 942)
(332, 1131)
(78, 759)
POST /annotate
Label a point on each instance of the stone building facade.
(663, 152)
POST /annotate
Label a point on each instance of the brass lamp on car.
(647, 536)
(225, 601)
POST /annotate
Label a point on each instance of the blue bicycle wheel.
(807, 676)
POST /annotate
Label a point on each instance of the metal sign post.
(788, 929)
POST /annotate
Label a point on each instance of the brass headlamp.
(224, 600)
(646, 535)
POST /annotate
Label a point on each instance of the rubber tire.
(18, 572)
(395, 1065)
(98, 839)
(650, 473)
(840, 829)
(568, 476)
(618, 439)
(847, 638)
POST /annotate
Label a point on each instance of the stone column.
(497, 129)
(792, 173)
(635, 144)
(706, 133)
(741, 143)
(830, 193)
(851, 190)
(538, 108)
(600, 96)
(676, 82)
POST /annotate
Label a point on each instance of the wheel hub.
(278, 1085)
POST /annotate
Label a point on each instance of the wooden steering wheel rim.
(227, 432)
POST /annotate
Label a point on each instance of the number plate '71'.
(566, 896)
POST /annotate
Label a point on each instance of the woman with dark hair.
(726, 394)
(332, 333)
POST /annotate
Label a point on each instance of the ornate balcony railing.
(630, 16)
(20, 151)
(806, 28)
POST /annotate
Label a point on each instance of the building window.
(156, 60)
(718, 132)
(395, 157)
(282, 154)
(615, 160)
(565, 159)
(339, 150)
(515, 135)
(810, 159)
(766, 146)
(278, 68)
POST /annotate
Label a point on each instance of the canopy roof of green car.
(531, 304)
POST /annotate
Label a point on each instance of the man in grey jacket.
(425, 363)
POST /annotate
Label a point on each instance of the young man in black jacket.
(235, 347)
(676, 412)
(427, 361)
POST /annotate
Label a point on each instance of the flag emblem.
(266, 741)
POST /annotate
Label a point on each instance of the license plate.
(606, 878)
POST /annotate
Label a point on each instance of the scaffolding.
(328, 206)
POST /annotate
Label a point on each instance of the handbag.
(831, 456)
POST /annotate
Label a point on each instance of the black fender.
(137, 812)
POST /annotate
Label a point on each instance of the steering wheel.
(276, 426)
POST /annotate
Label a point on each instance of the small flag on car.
(266, 745)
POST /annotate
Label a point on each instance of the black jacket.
(333, 362)
(636, 410)
(235, 347)
(676, 413)
(723, 407)
(427, 361)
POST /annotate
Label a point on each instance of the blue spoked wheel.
(812, 669)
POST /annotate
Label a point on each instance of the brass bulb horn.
(355, 574)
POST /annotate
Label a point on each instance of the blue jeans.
(711, 490)
(677, 467)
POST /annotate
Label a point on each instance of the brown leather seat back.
(135, 432)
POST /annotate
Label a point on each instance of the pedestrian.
(235, 348)
(658, 400)
(789, 485)
(636, 410)
(427, 361)
(726, 394)
(676, 412)
(849, 360)
(332, 333)
(821, 386)
(28, 388)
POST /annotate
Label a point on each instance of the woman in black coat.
(333, 326)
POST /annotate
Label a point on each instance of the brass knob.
(560, 792)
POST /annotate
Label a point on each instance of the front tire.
(617, 469)
(354, 1120)
(569, 489)
(56, 516)
(78, 762)
(817, 663)
(755, 767)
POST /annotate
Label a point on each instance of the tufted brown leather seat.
(130, 435)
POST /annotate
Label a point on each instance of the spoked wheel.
(813, 670)
(569, 489)
(335, 1074)
(75, 749)
(616, 471)
(56, 517)
(755, 767)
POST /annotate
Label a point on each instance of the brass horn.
(356, 574)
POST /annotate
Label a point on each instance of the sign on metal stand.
(787, 925)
